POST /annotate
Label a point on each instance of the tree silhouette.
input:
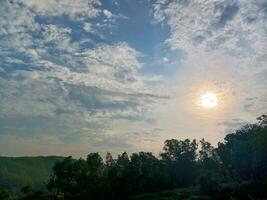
(236, 169)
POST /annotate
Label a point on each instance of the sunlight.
(209, 100)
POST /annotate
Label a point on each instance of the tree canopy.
(235, 169)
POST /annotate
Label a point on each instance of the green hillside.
(20, 171)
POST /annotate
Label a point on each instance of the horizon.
(124, 76)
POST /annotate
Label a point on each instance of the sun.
(209, 100)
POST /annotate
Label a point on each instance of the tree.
(179, 157)
(237, 168)
(179, 149)
(95, 164)
(236, 153)
(4, 194)
(110, 162)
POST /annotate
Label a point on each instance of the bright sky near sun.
(89, 75)
(209, 100)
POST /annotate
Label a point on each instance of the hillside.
(16, 172)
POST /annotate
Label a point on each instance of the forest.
(185, 169)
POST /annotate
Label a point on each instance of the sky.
(81, 76)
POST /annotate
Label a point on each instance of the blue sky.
(89, 75)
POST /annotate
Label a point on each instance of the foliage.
(186, 169)
(4, 194)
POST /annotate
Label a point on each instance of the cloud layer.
(63, 85)
(75, 76)
(225, 47)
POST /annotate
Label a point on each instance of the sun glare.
(209, 100)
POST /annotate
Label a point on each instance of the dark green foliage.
(4, 194)
(179, 161)
(244, 156)
(208, 184)
(189, 193)
(186, 169)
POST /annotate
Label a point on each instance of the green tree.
(4, 194)
(179, 157)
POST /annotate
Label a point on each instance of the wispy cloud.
(225, 47)
(232, 27)
(65, 84)
(73, 72)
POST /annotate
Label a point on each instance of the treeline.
(236, 169)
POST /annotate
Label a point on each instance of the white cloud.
(88, 27)
(107, 13)
(55, 71)
(225, 45)
(229, 26)
(52, 33)
(63, 84)
(74, 9)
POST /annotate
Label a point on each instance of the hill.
(16, 172)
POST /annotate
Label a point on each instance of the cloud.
(232, 125)
(65, 79)
(107, 13)
(225, 47)
(88, 27)
(57, 86)
(223, 26)
(74, 9)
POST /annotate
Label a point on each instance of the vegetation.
(186, 169)
(18, 172)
